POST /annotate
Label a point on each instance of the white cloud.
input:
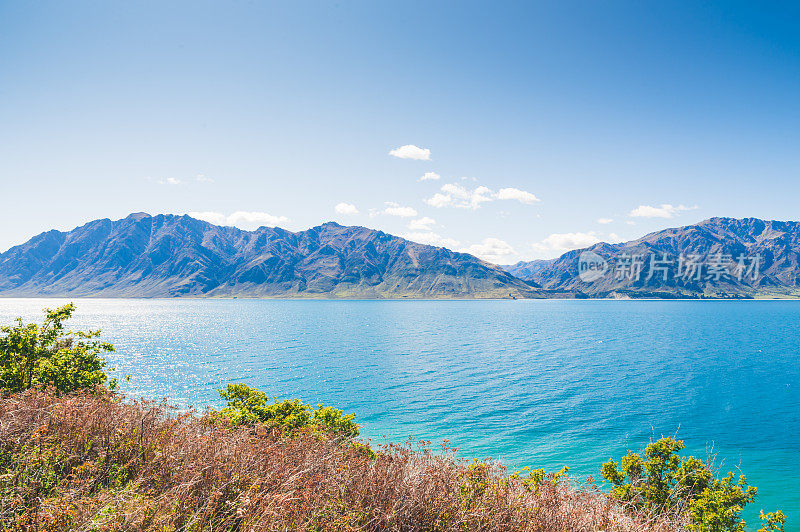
(430, 176)
(463, 197)
(664, 211)
(432, 239)
(439, 200)
(613, 238)
(605, 220)
(409, 151)
(421, 224)
(491, 249)
(241, 219)
(216, 218)
(558, 243)
(199, 178)
(454, 195)
(345, 208)
(516, 194)
(260, 218)
(394, 209)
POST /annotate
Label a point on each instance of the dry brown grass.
(96, 462)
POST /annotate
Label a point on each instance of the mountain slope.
(759, 258)
(167, 256)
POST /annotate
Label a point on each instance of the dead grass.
(96, 462)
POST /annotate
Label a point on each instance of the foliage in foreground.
(94, 462)
(47, 355)
(248, 406)
(664, 483)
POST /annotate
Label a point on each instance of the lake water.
(539, 383)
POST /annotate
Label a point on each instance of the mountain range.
(174, 256)
(170, 256)
(719, 257)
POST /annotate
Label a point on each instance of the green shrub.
(247, 406)
(46, 355)
(772, 521)
(663, 482)
(537, 477)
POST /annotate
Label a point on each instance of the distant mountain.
(167, 256)
(719, 257)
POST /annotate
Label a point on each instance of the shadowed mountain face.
(720, 257)
(167, 256)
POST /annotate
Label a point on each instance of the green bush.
(719, 506)
(536, 477)
(664, 482)
(772, 521)
(46, 355)
(247, 406)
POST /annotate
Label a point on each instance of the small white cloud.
(605, 220)
(613, 238)
(421, 224)
(432, 239)
(470, 199)
(241, 219)
(630, 222)
(345, 208)
(216, 218)
(409, 151)
(664, 211)
(199, 178)
(430, 176)
(491, 249)
(255, 218)
(455, 195)
(517, 194)
(439, 200)
(558, 243)
(394, 209)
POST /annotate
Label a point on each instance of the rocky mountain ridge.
(172, 256)
(718, 257)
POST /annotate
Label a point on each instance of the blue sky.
(543, 121)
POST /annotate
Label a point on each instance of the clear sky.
(549, 126)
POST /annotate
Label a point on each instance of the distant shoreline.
(474, 299)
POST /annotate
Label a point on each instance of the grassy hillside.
(95, 462)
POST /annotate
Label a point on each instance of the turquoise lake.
(540, 383)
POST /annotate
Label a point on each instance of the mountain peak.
(136, 216)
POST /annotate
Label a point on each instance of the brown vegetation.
(96, 462)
